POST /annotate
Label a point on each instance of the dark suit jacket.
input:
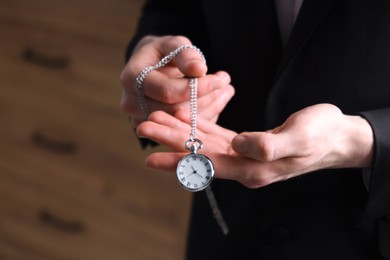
(339, 53)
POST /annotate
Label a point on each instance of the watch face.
(195, 172)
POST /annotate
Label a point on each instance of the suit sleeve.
(378, 204)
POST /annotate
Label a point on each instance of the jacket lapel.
(310, 16)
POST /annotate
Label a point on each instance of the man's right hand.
(167, 89)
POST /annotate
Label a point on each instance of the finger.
(189, 61)
(157, 85)
(265, 146)
(144, 55)
(224, 77)
(165, 119)
(174, 133)
(137, 120)
(166, 94)
(171, 132)
(242, 169)
(162, 134)
(208, 106)
(177, 129)
(129, 104)
(211, 82)
(253, 173)
(208, 127)
(211, 105)
(164, 161)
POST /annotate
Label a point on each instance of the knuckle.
(125, 77)
(128, 76)
(231, 91)
(128, 106)
(181, 39)
(147, 39)
(174, 40)
(254, 179)
(307, 141)
(250, 185)
(156, 115)
(171, 92)
(255, 183)
(265, 149)
(167, 95)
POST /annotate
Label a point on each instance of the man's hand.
(314, 138)
(167, 89)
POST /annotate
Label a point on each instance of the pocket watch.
(195, 171)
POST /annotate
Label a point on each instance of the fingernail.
(240, 144)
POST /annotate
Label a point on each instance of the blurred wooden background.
(72, 180)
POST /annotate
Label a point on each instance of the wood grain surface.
(72, 180)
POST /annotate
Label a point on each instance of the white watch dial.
(195, 172)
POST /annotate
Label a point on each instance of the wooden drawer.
(76, 46)
(72, 180)
(99, 180)
(111, 22)
(59, 62)
(80, 163)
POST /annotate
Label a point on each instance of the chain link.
(193, 106)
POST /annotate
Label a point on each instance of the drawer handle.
(45, 59)
(64, 147)
(73, 226)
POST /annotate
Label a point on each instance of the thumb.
(264, 146)
(191, 63)
(190, 60)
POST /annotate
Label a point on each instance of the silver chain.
(193, 106)
(193, 82)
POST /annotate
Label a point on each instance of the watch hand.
(199, 175)
(195, 172)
